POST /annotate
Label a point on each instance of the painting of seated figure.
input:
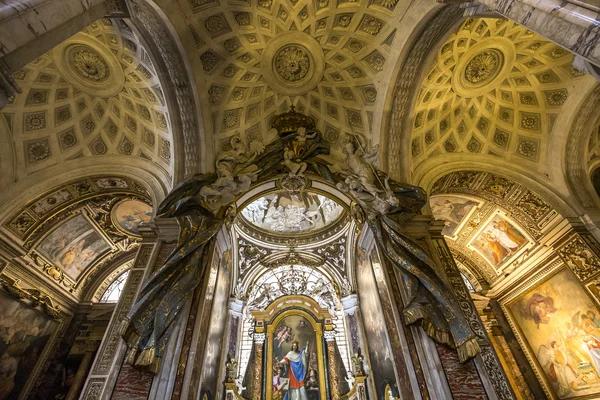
(499, 240)
(561, 327)
(73, 246)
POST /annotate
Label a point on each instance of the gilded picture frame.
(551, 271)
(318, 329)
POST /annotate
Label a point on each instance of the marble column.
(259, 344)
(334, 390)
(81, 374)
(109, 358)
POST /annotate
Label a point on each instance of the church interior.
(299, 199)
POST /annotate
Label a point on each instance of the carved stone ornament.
(292, 63)
(36, 296)
(582, 261)
(89, 65)
(483, 66)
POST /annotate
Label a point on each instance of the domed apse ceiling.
(326, 57)
(495, 88)
(95, 94)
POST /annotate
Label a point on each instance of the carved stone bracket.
(36, 296)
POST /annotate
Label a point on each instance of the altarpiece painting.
(296, 367)
(560, 325)
(24, 336)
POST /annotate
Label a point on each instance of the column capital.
(259, 338)
(236, 306)
(329, 336)
(350, 303)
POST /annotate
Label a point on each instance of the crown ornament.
(290, 121)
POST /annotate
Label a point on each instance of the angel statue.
(235, 173)
(204, 204)
(387, 204)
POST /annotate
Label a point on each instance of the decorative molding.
(185, 111)
(37, 297)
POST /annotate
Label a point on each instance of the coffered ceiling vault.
(96, 94)
(324, 57)
(494, 88)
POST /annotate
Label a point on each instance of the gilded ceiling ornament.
(483, 67)
(90, 64)
(292, 63)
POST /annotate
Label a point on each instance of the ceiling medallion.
(293, 63)
(89, 65)
(484, 67)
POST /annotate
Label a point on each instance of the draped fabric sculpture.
(203, 203)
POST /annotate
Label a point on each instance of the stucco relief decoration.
(90, 64)
(203, 205)
(483, 67)
(292, 63)
(580, 259)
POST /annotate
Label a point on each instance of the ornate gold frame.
(116, 223)
(523, 342)
(319, 318)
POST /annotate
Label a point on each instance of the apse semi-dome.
(285, 212)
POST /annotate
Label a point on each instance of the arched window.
(468, 283)
(113, 291)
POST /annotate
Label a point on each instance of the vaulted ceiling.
(494, 88)
(327, 58)
(95, 95)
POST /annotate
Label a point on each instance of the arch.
(427, 175)
(574, 147)
(168, 42)
(99, 283)
(395, 132)
(54, 178)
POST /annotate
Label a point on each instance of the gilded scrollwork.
(37, 297)
(580, 258)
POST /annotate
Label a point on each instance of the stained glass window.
(113, 292)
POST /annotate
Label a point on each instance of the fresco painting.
(295, 361)
(453, 210)
(129, 214)
(24, 334)
(73, 246)
(499, 240)
(561, 326)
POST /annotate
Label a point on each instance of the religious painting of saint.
(295, 360)
(73, 246)
(453, 210)
(24, 335)
(129, 214)
(499, 240)
(561, 326)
